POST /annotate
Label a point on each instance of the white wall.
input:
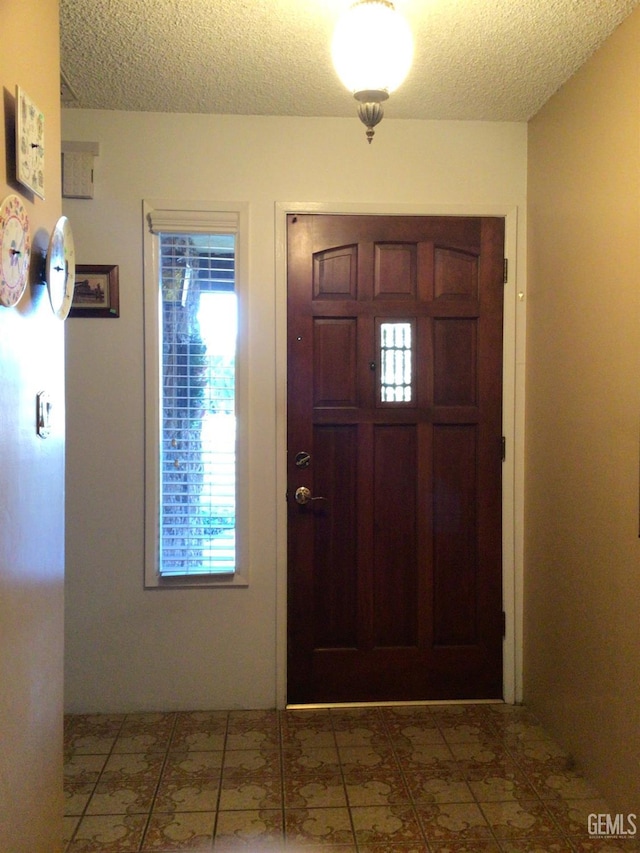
(130, 649)
(31, 469)
(582, 570)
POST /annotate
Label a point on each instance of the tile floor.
(402, 779)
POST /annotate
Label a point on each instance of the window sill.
(237, 580)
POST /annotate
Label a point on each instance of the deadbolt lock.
(303, 459)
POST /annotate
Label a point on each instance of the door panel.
(394, 425)
(335, 593)
(454, 538)
(395, 569)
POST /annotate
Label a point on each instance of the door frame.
(512, 422)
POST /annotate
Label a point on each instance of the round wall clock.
(15, 250)
(61, 268)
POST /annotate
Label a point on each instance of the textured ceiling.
(495, 60)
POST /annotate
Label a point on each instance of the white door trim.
(513, 423)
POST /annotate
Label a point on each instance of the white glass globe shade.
(372, 47)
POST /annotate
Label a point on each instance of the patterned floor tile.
(523, 731)
(308, 738)
(132, 766)
(242, 763)
(108, 834)
(406, 729)
(440, 783)
(254, 830)
(84, 768)
(408, 734)
(535, 756)
(193, 765)
(476, 846)
(69, 824)
(100, 743)
(453, 822)
(81, 774)
(359, 727)
(253, 730)
(362, 736)
(313, 793)
(495, 784)
(406, 779)
(386, 825)
(456, 714)
(346, 718)
(145, 733)
(187, 740)
(386, 847)
(318, 827)
(142, 742)
(76, 796)
(187, 795)
(480, 752)
(409, 711)
(553, 844)
(424, 755)
(306, 729)
(319, 760)
(117, 798)
(255, 792)
(519, 819)
(202, 721)
(180, 831)
(376, 788)
(83, 731)
(367, 758)
(468, 731)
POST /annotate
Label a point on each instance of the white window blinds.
(182, 221)
(197, 471)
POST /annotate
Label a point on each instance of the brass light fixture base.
(370, 110)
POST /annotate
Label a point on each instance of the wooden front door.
(394, 458)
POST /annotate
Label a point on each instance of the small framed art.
(96, 291)
(29, 143)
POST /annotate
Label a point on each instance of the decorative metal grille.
(396, 363)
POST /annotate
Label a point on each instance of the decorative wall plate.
(29, 143)
(61, 268)
(15, 250)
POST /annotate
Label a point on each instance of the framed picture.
(29, 143)
(96, 291)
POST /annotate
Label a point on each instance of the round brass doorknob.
(303, 495)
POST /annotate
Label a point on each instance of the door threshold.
(315, 706)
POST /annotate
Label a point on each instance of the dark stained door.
(394, 428)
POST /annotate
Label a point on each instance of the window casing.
(194, 515)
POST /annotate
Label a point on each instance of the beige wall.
(131, 649)
(31, 469)
(582, 552)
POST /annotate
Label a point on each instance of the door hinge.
(503, 447)
(505, 275)
(504, 624)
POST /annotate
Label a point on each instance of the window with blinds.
(197, 404)
(195, 439)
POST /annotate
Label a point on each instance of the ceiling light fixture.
(372, 49)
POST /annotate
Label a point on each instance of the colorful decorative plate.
(15, 250)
